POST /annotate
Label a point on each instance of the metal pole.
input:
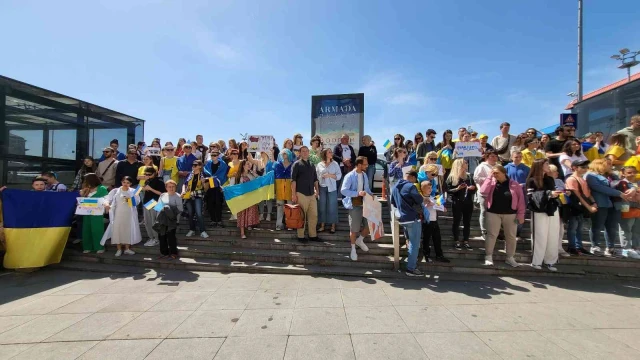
(579, 50)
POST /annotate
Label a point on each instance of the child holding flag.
(124, 228)
(92, 225)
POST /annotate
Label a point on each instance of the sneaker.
(573, 251)
(537, 267)
(584, 251)
(595, 250)
(118, 253)
(428, 260)
(249, 228)
(204, 235)
(488, 260)
(630, 253)
(458, 247)
(268, 217)
(609, 252)
(564, 254)
(261, 218)
(354, 255)
(442, 259)
(77, 241)
(511, 261)
(360, 243)
(278, 227)
(129, 252)
(150, 242)
(467, 246)
(414, 272)
(233, 217)
(100, 252)
(302, 240)
(190, 233)
(552, 268)
(86, 251)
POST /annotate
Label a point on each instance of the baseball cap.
(578, 163)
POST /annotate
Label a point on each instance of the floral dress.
(249, 216)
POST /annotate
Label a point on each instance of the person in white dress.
(123, 215)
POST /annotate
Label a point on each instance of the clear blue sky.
(224, 67)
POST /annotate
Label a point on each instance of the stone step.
(86, 262)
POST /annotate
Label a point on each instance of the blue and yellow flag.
(36, 226)
(592, 151)
(242, 196)
(387, 144)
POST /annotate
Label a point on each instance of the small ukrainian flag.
(137, 190)
(132, 202)
(150, 204)
(387, 144)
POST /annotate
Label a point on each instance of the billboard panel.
(334, 115)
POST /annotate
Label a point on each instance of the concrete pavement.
(60, 314)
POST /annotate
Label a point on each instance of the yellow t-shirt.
(528, 158)
(170, 166)
(141, 172)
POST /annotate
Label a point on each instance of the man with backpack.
(408, 204)
(107, 168)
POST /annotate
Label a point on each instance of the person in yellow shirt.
(148, 162)
(531, 152)
(168, 164)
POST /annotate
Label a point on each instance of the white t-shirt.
(346, 153)
(567, 170)
(433, 216)
(59, 187)
(361, 182)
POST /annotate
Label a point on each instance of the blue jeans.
(606, 219)
(413, 231)
(371, 171)
(327, 206)
(195, 204)
(574, 232)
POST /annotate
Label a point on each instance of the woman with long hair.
(286, 144)
(368, 150)
(418, 139)
(297, 144)
(518, 145)
(398, 142)
(329, 174)
(571, 151)
(543, 203)
(544, 139)
(447, 140)
(461, 189)
(146, 162)
(124, 228)
(531, 133)
(155, 157)
(617, 151)
(179, 151)
(248, 217)
(282, 174)
(92, 225)
(315, 152)
(445, 152)
(89, 166)
(606, 218)
(395, 168)
(193, 192)
(153, 187)
(506, 207)
(243, 151)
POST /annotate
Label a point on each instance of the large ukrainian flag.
(241, 196)
(591, 151)
(36, 226)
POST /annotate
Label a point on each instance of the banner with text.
(467, 149)
(334, 115)
(260, 143)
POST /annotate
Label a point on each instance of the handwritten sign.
(372, 211)
(90, 206)
(261, 143)
(467, 149)
(153, 151)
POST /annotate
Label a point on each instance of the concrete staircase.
(269, 251)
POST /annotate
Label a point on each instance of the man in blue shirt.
(184, 164)
(407, 201)
(518, 172)
(114, 145)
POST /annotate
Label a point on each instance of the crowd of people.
(562, 180)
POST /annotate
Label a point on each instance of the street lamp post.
(628, 60)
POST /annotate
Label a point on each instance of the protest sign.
(90, 206)
(153, 151)
(261, 143)
(372, 211)
(467, 149)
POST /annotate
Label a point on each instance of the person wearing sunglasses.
(185, 163)
(153, 188)
(169, 164)
(214, 198)
(398, 142)
(193, 192)
(426, 146)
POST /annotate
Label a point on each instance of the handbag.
(577, 208)
(294, 216)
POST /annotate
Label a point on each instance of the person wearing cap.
(169, 164)
(581, 202)
(427, 146)
(407, 202)
(354, 189)
(184, 164)
(114, 146)
(129, 168)
(107, 168)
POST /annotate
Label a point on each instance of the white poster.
(261, 143)
(153, 151)
(467, 149)
(372, 211)
(90, 206)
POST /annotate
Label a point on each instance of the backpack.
(294, 216)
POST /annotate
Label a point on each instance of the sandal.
(243, 236)
(321, 228)
(333, 229)
(174, 257)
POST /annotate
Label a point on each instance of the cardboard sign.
(261, 143)
(467, 149)
(372, 211)
(90, 206)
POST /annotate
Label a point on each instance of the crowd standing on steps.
(562, 181)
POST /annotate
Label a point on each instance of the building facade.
(608, 109)
(42, 130)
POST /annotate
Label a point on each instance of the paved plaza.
(60, 314)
